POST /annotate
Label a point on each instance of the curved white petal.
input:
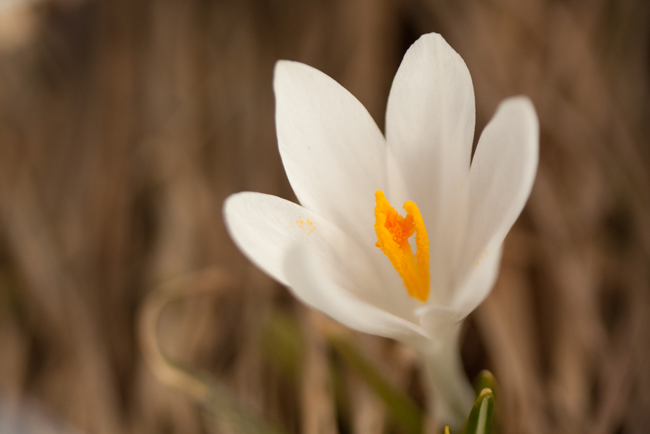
(429, 130)
(311, 282)
(479, 283)
(332, 150)
(501, 178)
(265, 227)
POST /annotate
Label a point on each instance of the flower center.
(393, 232)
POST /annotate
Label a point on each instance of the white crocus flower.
(345, 174)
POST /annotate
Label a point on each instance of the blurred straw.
(198, 386)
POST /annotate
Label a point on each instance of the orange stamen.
(393, 232)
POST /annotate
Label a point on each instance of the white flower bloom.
(340, 165)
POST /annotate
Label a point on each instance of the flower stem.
(451, 389)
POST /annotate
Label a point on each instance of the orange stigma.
(393, 232)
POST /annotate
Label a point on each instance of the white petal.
(479, 284)
(429, 131)
(501, 178)
(332, 150)
(310, 281)
(266, 227)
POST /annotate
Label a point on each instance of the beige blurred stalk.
(18, 22)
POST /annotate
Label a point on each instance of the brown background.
(125, 124)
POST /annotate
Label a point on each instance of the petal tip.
(287, 72)
(231, 202)
(281, 65)
(520, 110)
(226, 209)
(524, 105)
(282, 72)
(432, 44)
(431, 38)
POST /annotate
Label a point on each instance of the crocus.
(347, 251)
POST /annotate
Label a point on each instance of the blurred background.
(125, 124)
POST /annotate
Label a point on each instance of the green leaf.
(405, 412)
(282, 345)
(481, 417)
(485, 380)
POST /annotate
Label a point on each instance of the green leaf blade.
(481, 417)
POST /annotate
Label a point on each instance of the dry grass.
(125, 124)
